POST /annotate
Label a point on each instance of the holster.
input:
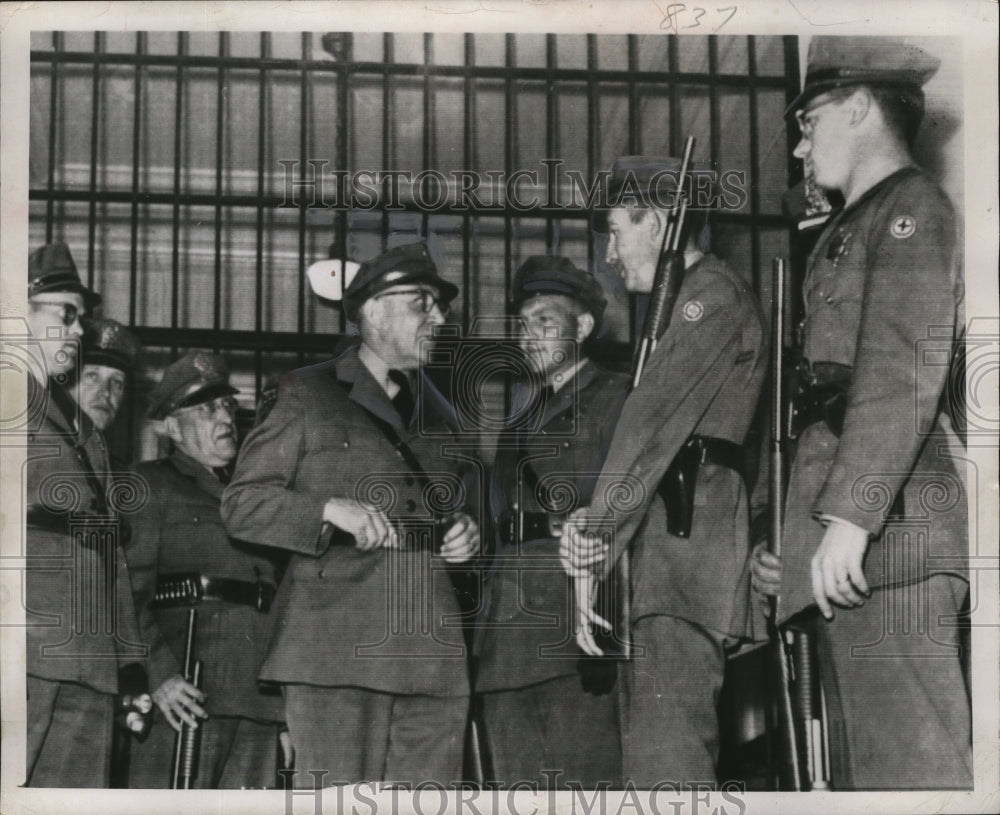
(678, 485)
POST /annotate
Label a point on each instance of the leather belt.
(678, 485)
(190, 588)
(534, 525)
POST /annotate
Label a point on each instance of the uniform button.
(565, 444)
(347, 444)
(829, 299)
(399, 453)
(410, 505)
(321, 574)
(195, 519)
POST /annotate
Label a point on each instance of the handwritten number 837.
(680, 16)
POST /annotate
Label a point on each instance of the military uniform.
(883, 298)
(882, 273)
(179, 533)
(367, 645)
(81, 622)
(688, 417)
(544, 707)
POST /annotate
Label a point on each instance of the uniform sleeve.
(142, 555)
(264, 503)
(690, 366)
(910, 286)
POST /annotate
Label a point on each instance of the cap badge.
(693, 310)
(903, 227)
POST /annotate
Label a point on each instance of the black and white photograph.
(499, 407)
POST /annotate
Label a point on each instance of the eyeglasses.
(70, 313)
(806, 117)
(424, 300)
(209, 409)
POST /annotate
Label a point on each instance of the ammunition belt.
(190, 588)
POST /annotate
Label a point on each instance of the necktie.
(403, 400)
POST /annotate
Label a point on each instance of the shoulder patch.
(903, 226)
(693, 310)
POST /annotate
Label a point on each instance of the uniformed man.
(543, 707)
(181, 557)
(864, 542)
(109, 353)
(75, 564)
(677, 454)
(348, 472)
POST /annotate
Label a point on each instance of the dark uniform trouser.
(343, 735)
(555, 726)
(670, 730)
(235, 753)
(69, 735)
(898, 708)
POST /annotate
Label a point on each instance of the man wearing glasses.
(884, 562)
(350, 472)
(81, 625)
(181, 556)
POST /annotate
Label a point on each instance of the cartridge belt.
(190, 588)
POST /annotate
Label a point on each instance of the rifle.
(666, 286)
(776, 501)
(188, 742)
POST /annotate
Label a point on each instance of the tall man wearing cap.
(181, 557)
(544, 707)
(347, 472)
(81, 624)
(679, 436)
(109, 353)
(865, 542)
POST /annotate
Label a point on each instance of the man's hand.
(579, 550)
(461, 541)
(837, 574)
(180, 702)
(765, 575)
(584, 596)
(370, 527)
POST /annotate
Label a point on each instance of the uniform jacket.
(527, 632)
(704, 378)
(883, 294)
(180, 530)
(84, 642)
(384, 619)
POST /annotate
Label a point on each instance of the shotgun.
(188, 742)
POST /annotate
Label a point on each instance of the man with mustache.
(352, 470)
(178, 541)
(544, 707)
(680, 434)
(109, 353)
(81, 623)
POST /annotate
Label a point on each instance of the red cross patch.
(903, 226)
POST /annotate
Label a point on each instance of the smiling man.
(178, 541)
(350, 472)
(109, 354)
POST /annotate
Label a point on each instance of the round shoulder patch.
(903, 226)
(693, 310)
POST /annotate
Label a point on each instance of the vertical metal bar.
(552, 141)
(429, 152)
(175, 257)
(220, 141)
(140, 48)
(467, 159)
(306, 101)
(95, 128)
(509, 158)
(50, 182)
(673, 66)
(593, 131)
(714, 136)
(263, 107)
(795, 173)
(634, 137)
(754, 165)
(388, 108)
(344, 125)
